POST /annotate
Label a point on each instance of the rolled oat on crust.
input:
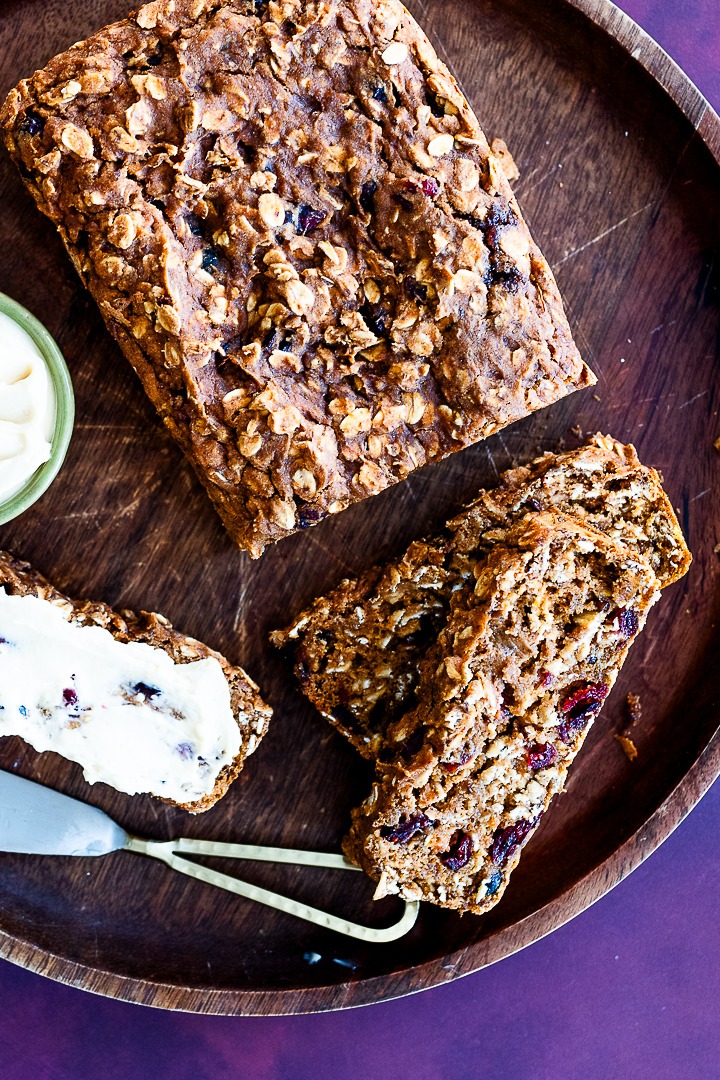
(358, 649)
(505, 700)
(250, 712)
(299, 236)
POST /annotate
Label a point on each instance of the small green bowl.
(43, 477)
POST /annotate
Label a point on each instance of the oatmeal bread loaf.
(506, 697)
(302, 241)
(139, 705)
(357, 650)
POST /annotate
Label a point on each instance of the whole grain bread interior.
(506, 697)
(358, 649)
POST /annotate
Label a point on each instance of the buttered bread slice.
(137, 704)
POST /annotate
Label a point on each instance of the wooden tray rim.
(642, 48)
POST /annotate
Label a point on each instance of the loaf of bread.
(137, 704)
(302, 241)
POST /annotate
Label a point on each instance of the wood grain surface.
(620, 183)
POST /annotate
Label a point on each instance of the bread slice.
(301, 240)
(505, 699)
(357, 650)
(250, 713)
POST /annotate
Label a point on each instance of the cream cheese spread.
(27, 408)
(124, 711)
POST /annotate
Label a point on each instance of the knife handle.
(166, 851)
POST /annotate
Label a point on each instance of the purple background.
(629, 990)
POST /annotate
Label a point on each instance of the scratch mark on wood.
(491, 459)
(83, 515)
(684, 405)
(501, 440)
(524, 191)
(662, 325)
(603, 234)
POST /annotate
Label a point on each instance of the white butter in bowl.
(124, 711)
(27, 408)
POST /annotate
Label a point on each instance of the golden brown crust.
(298, 234)
(251, 713)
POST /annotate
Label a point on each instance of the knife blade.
(35, 820)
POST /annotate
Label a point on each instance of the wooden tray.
(620, 182)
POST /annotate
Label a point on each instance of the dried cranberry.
(569, 728)
(459, 854)
(195, 224)
(500, 216)
(308, 514)
(379, 94)
(628, 621)
(580, 707)
(430, 186)
(415, 290)
(413, 743)
(405, 830)
(69, 696)
(148, 692)
(376, 316)
(32, 123)
(453, 766)
(508, 275)
(210, 259)
(308, 219)
(367, 196)
(506, 840)
(540, 755)
(492, 236)
(591, 695)
(546, 677)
